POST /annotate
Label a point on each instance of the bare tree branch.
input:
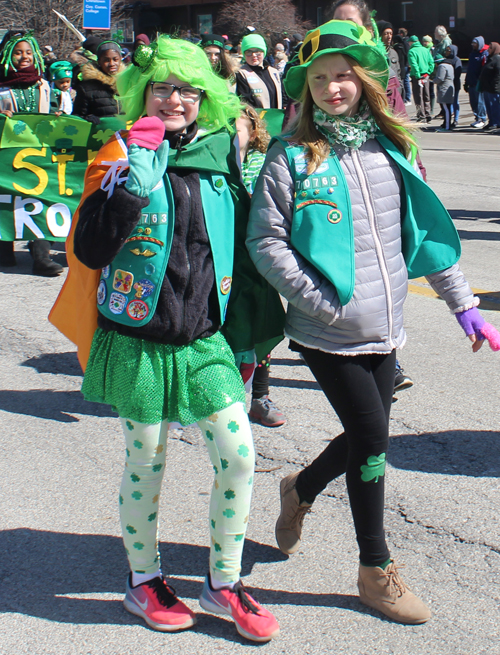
(269, 17)
(48, 28)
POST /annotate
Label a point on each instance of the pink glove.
(147, 132)
(472, 322)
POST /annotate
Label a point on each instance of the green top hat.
(337, 37)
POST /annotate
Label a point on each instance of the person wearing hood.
(477, 60)
(421, 67)
(257, 83)
(95, 94)
(444, 81)
(451, 55)
(140, 39)
(489, 84)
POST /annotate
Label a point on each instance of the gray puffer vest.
(372, 321)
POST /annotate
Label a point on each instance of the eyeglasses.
(165, 90)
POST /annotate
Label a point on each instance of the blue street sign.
(96, 14)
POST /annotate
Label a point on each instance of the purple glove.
(147, 132)
(472, 322)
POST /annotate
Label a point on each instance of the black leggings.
(360, 390)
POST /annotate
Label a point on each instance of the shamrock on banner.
(43, 159)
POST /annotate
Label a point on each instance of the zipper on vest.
(376, 237)
(188, 263)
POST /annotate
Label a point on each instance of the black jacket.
(244, 91)
(188, 307)
(95, 94)
(489, 80)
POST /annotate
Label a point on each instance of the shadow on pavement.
(480, 235)
(57, 363)
(294, 384)
(41, 571)
(54, 405)
(452, 452)
(467, 214)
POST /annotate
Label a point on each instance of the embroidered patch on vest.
(334, 216)
(225, 285)
(143, 288)
(102, 292)
(145, 238)
(117, 302)
(315, 201)
(123, 281)
(137, 310)
(143, 253)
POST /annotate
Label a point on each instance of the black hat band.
(315, 42)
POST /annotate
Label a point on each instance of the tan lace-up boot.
(385, 591)
(289, 524)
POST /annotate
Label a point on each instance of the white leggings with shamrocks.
(229, 441)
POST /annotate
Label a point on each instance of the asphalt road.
(63, 568)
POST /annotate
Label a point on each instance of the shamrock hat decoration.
(341, 37)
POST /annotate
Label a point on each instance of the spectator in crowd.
(444, 81)
(213, 45)
(443, 40)
(489, 85)
(451, 54)
(256, 82)
(421, 67)
(280, 58)
(95, 94)
(404, 40)
(477, 60)
(428, 43)
(386, 32)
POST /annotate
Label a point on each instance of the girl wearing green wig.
(23, 89)
(163, 217)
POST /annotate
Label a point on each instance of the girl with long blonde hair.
(340, 219)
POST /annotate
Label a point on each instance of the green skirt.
(151, 382)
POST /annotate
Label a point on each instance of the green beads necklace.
(26, 104)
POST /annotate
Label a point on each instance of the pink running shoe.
(252, 620)
(157, 604)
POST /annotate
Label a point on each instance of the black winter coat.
(95, 94)
(489, 79)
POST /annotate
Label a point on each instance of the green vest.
(130, 286)
(322, 227)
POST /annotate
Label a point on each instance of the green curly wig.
(189, 63)
(6, 58)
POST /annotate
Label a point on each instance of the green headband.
(341, 37)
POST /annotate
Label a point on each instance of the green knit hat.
(336, 37)
(253, 41)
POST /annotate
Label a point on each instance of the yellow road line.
(489, 299)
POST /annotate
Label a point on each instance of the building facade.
(464, 19)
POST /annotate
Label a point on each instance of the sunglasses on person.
(165, 90)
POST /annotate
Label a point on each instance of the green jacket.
(420, 60)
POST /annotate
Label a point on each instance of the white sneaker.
(407, 104)
(477, 124)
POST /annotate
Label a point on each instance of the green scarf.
(347, 131)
